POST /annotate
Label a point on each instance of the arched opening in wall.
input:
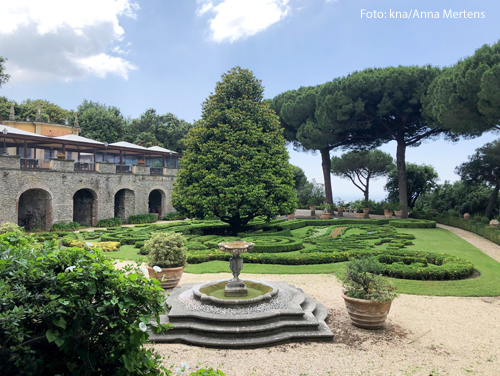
(35, 210)
(155, 203)
(85, 207)
(124, 204)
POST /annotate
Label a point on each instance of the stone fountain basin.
(236, 247)
(207, 293)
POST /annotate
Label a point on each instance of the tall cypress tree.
(235, 165)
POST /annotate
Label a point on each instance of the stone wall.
(59, 184)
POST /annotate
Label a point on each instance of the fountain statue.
(236, 287)
(239, 313)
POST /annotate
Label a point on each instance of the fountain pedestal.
(236, 287)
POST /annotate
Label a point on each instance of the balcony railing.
(84, 166)
(123, 169)
(31, 163)
(156, 170)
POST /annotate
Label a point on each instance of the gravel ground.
(423, 335)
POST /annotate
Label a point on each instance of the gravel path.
(424, 335)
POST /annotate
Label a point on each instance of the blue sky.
(168, 55)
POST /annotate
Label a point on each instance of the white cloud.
(64, 40)
(236, 19)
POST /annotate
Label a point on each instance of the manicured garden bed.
(419, 258)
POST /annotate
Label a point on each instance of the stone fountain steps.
(300, 319)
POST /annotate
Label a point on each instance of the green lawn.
(427, 240)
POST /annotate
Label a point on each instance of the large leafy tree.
(151, 129)
(100, 122)
(420, 179)
(307, 129)
(464, 197)
(484, 166)
(29, 109)
(387, 104)
(4, 77)
(361, 166)
(466, 97)
(235, 165)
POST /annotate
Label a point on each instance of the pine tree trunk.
(402, 183)
(326, 163)
(489, 209)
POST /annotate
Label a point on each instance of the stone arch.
(157, 201)
(34, 209)
(85, 205)
(124, 204)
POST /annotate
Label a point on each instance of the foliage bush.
(70, 312)
(139, 244)
(412, 223)
(61, 226)
(363, 281)
(10, 227)
(173, 216)
(103, 246)
(110, 222)
(142, 218)
(479, 228)
(166, 250)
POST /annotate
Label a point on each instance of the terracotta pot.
(387, 211)
(340, 209)
(398, 213)
(365, 313)
(325, 215)
(312, 207)
(360, 215)
(291, 216)
(169, 277)
(366, 210)
(388, 215)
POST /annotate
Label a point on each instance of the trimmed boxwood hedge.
(274, 244)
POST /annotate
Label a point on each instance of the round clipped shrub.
(166, 250)
(70, 312)
(10, 227)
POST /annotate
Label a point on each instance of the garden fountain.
(240, 313)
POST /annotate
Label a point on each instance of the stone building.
(69, 178)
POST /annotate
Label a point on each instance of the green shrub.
(67, 239)
(110, 222)
(363, 281)
(139, 244)
(412, 223)
(173, 216)
(61, 226)
(10, 227)
(142, 218)
(166, 250)
(70, 312)
(485, 220)
(208, 372)
(477, 218)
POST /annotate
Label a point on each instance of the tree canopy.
(484, 167)
(360, 166)
(421, 179)
(383, 105)
(100, 122)
(307, 130)
(163, 130)
(466, 97)
(235, 165)
(4, 77)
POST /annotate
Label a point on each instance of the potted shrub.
(167, 257)
(61, 156)
(326, 211)
(396, 206)
(360, 213)
(140, 161)
(291, 216)
(367, 295)
(387, 214)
